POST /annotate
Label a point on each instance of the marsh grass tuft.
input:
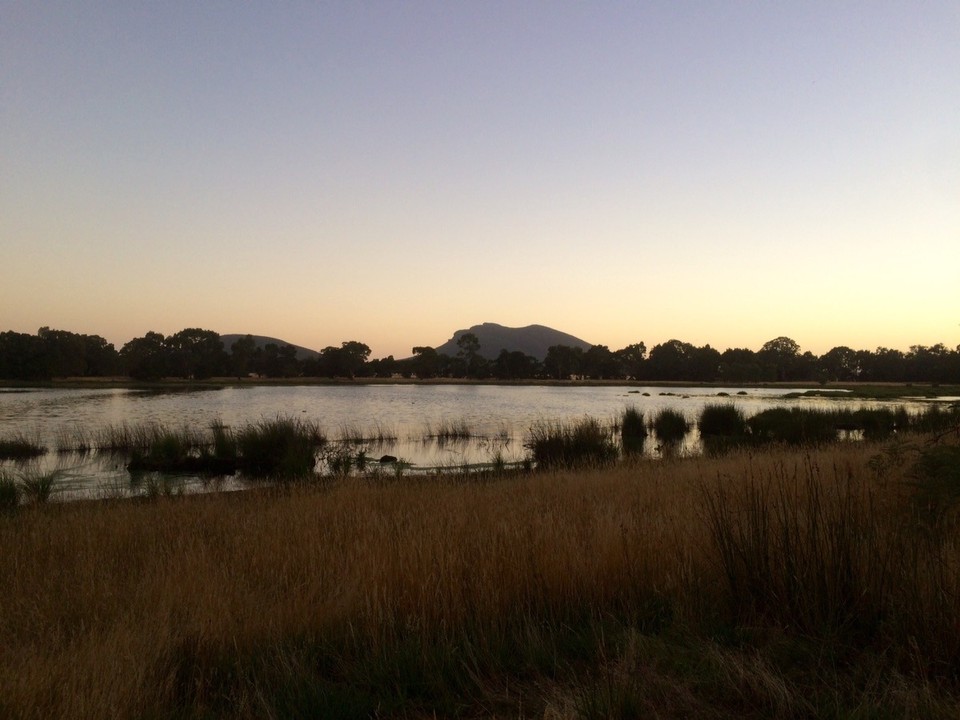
(585, 443)
(284, 447)
(670, 425)
(38, 486)
(633, 431)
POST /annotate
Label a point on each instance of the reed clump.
(583, 443)
(797, 426)
(447, 430)
(783, 583)
(284, 447)
(633, 431)
(724, 420)
(670, 425)
(38, 486)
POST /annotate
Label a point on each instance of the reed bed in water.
(790, 583)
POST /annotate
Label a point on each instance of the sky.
(720, 173)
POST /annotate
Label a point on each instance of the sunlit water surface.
(407, 416)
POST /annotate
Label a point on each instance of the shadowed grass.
(9, 492)
(789, 583)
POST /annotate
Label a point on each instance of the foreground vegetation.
(792, 582)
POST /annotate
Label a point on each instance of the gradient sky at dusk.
(389, 172)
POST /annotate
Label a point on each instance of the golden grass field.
(781, 583)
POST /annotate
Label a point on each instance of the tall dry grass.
(568, 594)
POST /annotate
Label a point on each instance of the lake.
(402, 420)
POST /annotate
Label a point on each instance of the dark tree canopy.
(197, 353)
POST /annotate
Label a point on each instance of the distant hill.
(532, 340)
(261, 340)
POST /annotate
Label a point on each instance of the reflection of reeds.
(448, 430)
(354, 433)
(21, 446)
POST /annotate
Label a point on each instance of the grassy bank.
(784, 583)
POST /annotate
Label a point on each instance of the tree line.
(200, 354)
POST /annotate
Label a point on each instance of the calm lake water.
(410, 416)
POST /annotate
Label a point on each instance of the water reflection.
(426, 427)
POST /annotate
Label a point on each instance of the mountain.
(261, 340)
(532, 340)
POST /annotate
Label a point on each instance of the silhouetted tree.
(426, 362)
(930, 363)
(100, 357)
(599, 363)
(669, 360)
(196, 353)
(739, 365)
(242, 352)
(515, 365)
(778, 358)
(384, 367)
(703, 364)
(63, 352)
(354, 357)
(562, 361)
(22, 357)
(882, 365)
(632, 359)
(473, 364)
(840, 364)
(146, 358)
